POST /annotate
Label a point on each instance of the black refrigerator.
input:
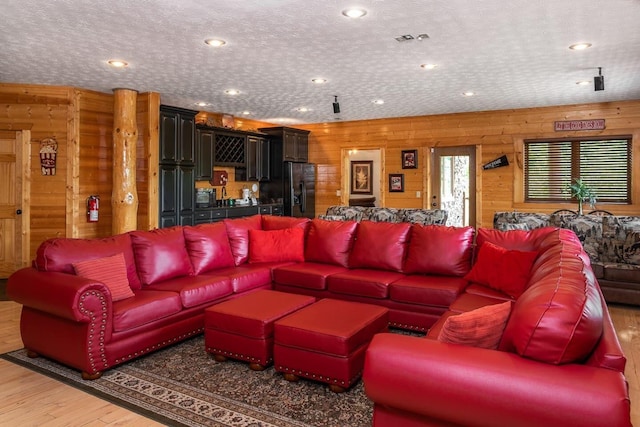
(294, 187)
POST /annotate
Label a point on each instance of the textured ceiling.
(511, 54)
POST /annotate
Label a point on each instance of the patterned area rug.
(184, 386)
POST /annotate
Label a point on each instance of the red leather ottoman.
(326, 341)
(242, 328)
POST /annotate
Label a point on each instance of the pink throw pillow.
(112, 271)
(276, 245)
(441, 250)
(482, 327)
(501, 269)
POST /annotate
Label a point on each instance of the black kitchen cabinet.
(288, 144)
(205, 143)
(258, 159)
(177, 167)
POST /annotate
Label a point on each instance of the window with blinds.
(551, 166)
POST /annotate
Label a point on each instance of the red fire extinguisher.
(93, 204)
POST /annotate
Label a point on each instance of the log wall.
(494, 133)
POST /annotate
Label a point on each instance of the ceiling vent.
(408, 37)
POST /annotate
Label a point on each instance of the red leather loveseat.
(558, 355)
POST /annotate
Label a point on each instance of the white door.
(454, 184)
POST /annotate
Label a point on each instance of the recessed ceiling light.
(117, 63)
(215, 42)
(232, 92)
(428, 66)
(202, 104)
(246, 113)
(354, 13)
(583, 83)
(378, 101)
(468, 93)
(303, 109)
(580, 46)
(319, 81)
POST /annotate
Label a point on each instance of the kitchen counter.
(205, 215)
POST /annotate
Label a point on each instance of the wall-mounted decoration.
(595, 124)
(361, 177)
(396, 182)
(48, 154)
(499, 162)
(409, 159)
(228, 121)
(219, 178)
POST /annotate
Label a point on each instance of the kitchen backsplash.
(234, 188)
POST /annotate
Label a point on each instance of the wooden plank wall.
(494, 133)
(45, 109)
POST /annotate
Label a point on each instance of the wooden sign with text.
(596, 124)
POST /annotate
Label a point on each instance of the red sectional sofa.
(551, 355)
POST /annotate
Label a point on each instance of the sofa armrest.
(473, 386)
(60, 294)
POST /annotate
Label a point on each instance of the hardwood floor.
(31, 399)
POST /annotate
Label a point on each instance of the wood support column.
(124, 197)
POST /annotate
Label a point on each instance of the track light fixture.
(336, 106)
(598, 81)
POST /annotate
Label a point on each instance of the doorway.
(14, 185)
(454, 183)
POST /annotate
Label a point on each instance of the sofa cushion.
(347, 213)
(112, 271)
(363, 282)
(308, 275)
(482, 327)
(238, 232)
(631, 247)
(588, 228)
(513, 240)
(196, 290)
(208, 247)
(247, 276)
(147, 306)
(59, 254)
(330, 242)
(286, 244)
(380, 245)
(380, 214)
(505, 221)
(274, 222)
(440, 250)
(423, 216)
(432, 290)
(161, 254)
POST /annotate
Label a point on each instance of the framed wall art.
(396, 182)
(361, 176)
(409, 159)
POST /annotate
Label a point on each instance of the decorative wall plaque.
(596, 124)
(48, 154)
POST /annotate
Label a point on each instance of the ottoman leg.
(291, 377)
(219, 358)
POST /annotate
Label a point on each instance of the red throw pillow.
(482, 327)
(501, 269)
(441, 250)
(276, 245)
(112, 271)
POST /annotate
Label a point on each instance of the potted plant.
(582, 192)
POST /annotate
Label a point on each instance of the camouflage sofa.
(612, 242)
(360, 213)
